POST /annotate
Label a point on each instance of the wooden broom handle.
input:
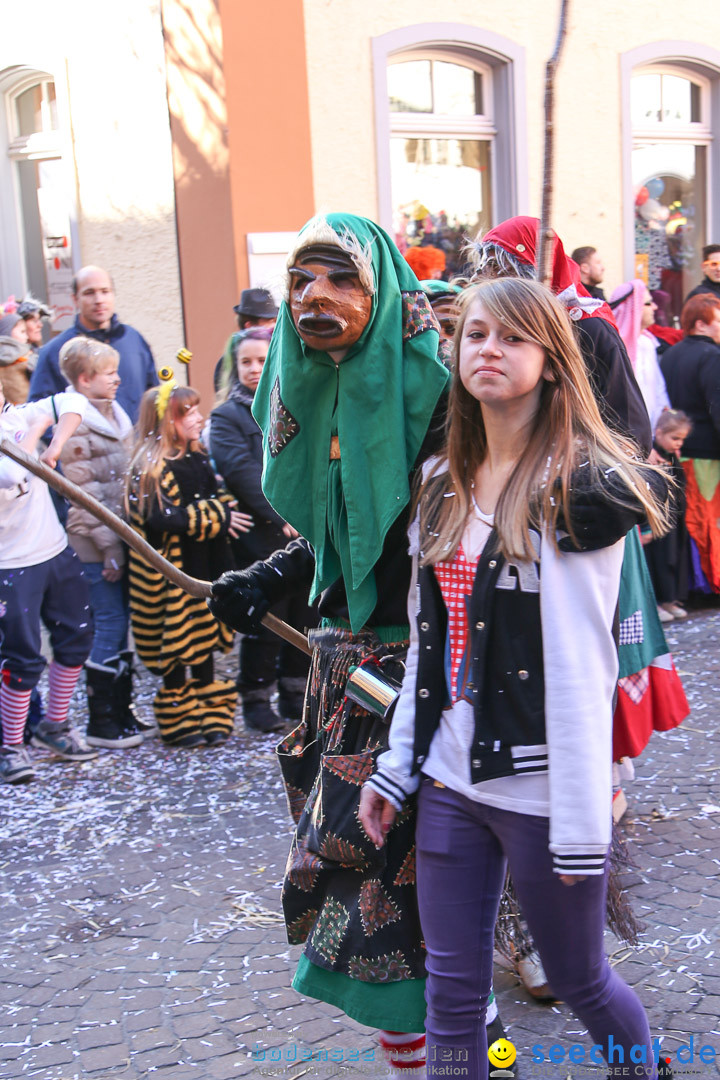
(545, 232)
(192, 586)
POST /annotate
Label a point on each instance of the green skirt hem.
(396, 1006)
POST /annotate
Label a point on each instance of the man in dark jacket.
(95, 302)
(691, 370)
(592, 270)
(711, 270)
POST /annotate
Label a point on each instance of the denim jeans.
(463, 848)
(111, 613)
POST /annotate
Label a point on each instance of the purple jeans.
(462, 851)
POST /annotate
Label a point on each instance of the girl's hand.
(66, 426)
(655, 459)
(239, 522)
(288, 531)
(572, 879)
(376, 815)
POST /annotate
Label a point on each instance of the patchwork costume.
(341, 444)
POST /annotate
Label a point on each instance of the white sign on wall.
(57, 245)
(267, 260)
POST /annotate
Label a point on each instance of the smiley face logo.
(502, 1053)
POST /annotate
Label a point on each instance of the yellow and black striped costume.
(170, 627)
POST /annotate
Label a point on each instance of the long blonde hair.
(156, 440)
(568, 432)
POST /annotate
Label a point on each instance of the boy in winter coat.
(96, 458)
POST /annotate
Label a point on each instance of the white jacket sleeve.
(392, 779)
(18, 419)
(55, 406)
(70, 401)
(578, 597)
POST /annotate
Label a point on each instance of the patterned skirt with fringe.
(354, 907)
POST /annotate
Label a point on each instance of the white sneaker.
(532, 976)
(664, 615)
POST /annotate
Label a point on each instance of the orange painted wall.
(240, 124)
(271, 182)
(198, 122)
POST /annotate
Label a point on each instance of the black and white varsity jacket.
(544, 671)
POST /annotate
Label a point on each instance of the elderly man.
(94, 297)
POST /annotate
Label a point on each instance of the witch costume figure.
(351, 401)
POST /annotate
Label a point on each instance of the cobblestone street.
(141, 894)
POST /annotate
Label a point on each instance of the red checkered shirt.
(456, 581)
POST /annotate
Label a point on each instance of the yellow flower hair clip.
(167, 385)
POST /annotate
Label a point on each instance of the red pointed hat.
(518, 236)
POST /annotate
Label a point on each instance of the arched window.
(671, 133)
(450, 137)
(37, 253)
(441, 135)
(34, 117)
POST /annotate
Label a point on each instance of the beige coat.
(15, 370)
(96, 458)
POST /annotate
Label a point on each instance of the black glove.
(239, 600)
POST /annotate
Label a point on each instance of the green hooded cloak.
(379, 401)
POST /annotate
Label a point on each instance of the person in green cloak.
(351, 401)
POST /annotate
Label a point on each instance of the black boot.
(106, 725)
(133, 721)
(258, 713)
(291, 697)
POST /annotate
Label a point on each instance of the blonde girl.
(175, 503)
(504, 719)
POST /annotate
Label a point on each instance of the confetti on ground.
(142, 931)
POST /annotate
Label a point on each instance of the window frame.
(502, 63)
(46, 143)
(14, 80)
(436, 125)
(689, 60)
(697, 132)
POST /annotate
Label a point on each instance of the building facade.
(181, 145)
